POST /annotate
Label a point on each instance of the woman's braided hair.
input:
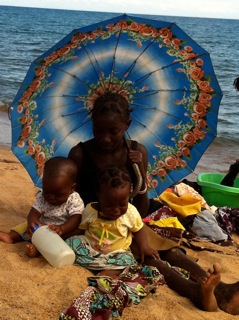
(111, 103)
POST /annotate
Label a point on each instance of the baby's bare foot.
(31, 250)
(5, 237)
(10, 237)
(208, 285)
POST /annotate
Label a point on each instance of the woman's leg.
(227, 295)
(200, 293)
(177, 258)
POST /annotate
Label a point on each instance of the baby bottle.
(52, 247)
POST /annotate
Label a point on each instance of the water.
(28, 32)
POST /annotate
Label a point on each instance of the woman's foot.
(227, 296)
(31, 250)
(208, 285)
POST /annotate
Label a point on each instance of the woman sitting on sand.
(110, 119)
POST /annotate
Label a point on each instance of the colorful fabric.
(184, 205)
(156, 221)
(228, 219)
(174, 234)
(183, 273)
(105, 298)
(92, 259)
(169, 222)
(106, 235)
(58, 214)
(181, 188)
(162, 213)
(22, 229)
(206, 227)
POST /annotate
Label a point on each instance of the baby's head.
(113, 192)
(59, 180)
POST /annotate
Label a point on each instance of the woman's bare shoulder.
(76, 152)
(142, 148)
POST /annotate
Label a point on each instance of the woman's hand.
(136, 157)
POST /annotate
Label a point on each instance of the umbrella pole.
(137, 173)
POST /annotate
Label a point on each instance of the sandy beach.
(32, 289)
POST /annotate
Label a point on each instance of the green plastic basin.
(216, 194)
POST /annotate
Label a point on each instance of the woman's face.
(109, 131)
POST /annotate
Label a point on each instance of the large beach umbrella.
(167, 77)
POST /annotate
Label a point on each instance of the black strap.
(134, 145)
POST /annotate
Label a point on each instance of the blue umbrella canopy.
(166, 76)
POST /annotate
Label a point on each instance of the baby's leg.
(31, 250)
(10, 237)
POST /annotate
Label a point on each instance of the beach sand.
(31, 289)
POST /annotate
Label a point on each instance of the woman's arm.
(141, 200)
(76, 155)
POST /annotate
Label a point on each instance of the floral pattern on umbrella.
(195, 102)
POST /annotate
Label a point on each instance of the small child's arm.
(33, 219)
(142, 242)
(70, 225)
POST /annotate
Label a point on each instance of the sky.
(227, 9)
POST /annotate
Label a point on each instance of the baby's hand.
(33, 226)
(153, 253)
(56, 229)
(150, 252)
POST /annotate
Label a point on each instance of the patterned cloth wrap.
(228, 219)
(91, 259)
(105, 298)
(162, 214)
